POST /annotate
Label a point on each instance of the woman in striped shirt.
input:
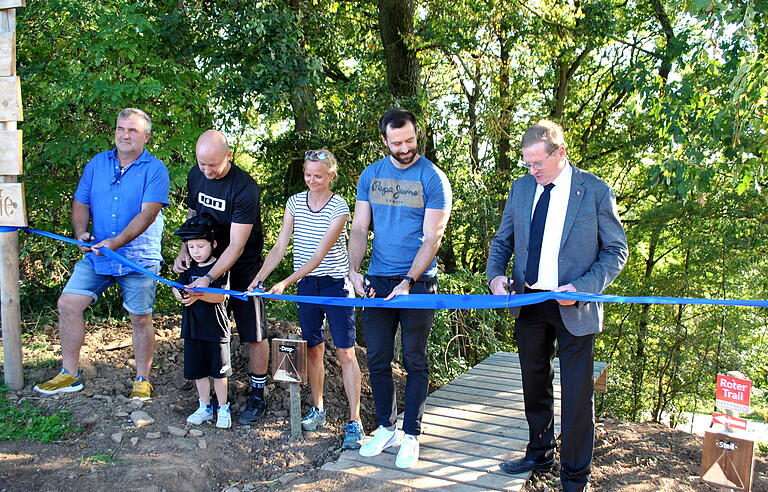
(316, 219)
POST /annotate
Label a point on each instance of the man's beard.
(411, 155)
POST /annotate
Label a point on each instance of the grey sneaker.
(315, 418)
(204, 413)
(223, 417)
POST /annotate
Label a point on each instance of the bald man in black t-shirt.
(218, 187)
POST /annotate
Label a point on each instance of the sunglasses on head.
(316, 155)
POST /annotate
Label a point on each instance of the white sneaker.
(203, 413)
(408, 455)
(381, 440)
(224, 417)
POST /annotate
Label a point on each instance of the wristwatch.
(410, 280)
(209, 277)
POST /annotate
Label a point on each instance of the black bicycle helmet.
(198, 227)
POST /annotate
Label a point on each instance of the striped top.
(309, 228)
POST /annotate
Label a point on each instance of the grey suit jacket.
(593, 248)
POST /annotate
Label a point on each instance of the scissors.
(366, 288)
(509, 288)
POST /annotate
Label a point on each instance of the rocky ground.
(118, 448)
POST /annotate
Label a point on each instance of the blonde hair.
(330, 160)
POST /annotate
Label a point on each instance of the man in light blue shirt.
(122, 192)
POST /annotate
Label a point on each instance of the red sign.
(729, 420)
(733, 393)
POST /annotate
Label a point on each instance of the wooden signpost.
(728, 456)
(289, 365)
(12, 208)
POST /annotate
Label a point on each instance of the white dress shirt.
(553, 229)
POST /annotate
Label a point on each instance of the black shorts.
(250, 316)
(204, 359)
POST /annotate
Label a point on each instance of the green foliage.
(81, 64)
(25, 421)
(98, 459)
(762, 447)
(461, 338)
(668, 104)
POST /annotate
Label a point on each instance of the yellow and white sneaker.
(64, 382)
(142, 390)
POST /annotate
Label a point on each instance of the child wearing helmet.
(204, 324)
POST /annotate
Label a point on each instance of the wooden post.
(295, 389)
(10, 113)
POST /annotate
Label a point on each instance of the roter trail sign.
(727, 458)
(733, 393)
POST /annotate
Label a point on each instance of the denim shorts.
(341, 319)
(138, 290)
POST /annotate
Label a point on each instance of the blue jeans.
(379, 328)
(138, 290)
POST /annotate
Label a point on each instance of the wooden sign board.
(12, 208)
(10, 153)
(728, 460)
(10, 99)
(7, 54)
(289, 360)
(12, 4)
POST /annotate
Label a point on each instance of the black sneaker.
(254, 410)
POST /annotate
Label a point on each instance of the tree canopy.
(666, 101)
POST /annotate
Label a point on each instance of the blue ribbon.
(417, 301)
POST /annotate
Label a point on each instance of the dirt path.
(111, 453)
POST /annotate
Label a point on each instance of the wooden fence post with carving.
(12, 211)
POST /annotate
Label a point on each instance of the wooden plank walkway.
(469, 427)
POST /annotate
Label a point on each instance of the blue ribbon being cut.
(419, 301)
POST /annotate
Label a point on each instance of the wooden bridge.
(469, 427)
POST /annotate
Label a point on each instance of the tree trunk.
(503, 158)
(640, 361)
(395, 24)
(304, 108)
(565, 72)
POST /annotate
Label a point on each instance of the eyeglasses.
(537, 165)
(316, 155)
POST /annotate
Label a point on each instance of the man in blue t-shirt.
(408, 200)
(122, 192)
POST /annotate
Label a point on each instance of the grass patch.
(27, 422)
(757, 415)
(98, 458)
(47, 363)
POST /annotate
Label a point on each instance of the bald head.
(214, 139)
(213, 154)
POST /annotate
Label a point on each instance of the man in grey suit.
(562, 225)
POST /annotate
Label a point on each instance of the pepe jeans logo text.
(400, 193)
